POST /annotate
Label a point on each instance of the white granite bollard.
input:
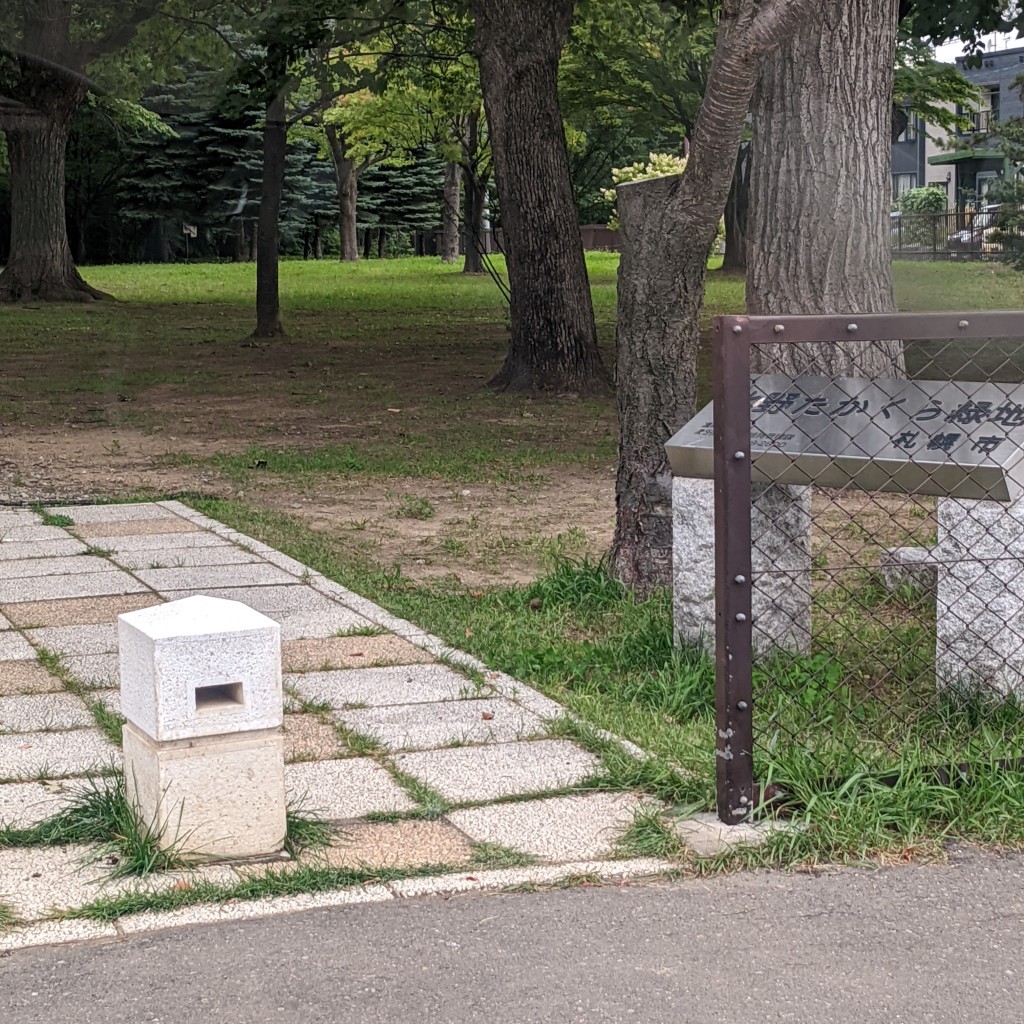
(781, 555)
(979, 612)
(203, 750)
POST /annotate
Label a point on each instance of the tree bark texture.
(347, 179)
(46, 83)
(473, 224)
(736, 209)
(268, 293)
(820, 183)
(40, 266)
(450, 213)
(668, 226)
(553, 342)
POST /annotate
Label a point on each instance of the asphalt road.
(919, 944)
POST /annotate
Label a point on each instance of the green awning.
(966, 154)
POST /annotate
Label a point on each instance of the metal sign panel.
(955, 438)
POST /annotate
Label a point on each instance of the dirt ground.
(100, 405)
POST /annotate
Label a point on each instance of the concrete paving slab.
(24, 804)
(14, 647)
(55, 755)
(20, 534)
(126, 513)
(706, 836)
(381, 687)
(348, 652)
(97, 671)
(256, 574)
(317, 625)
(295, 597)
(164, 545)
(535, 874)
(76, 640)
(41, 549)
(36, 880)
(52, 933)
(5, 624)
(400, 844)
(17, 517)
(426, 726)
(21, 568)
(556, 829)
(52, 588)
(96, 533)
(78, 611)
(39, 712)
(486, 773)
(244, 910)
(183, 558)
(307, 738)
(339, 790)
(17, 677)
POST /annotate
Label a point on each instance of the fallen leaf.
(487, 716)
(182, 884)
(394, 410)
(357, 654)
(469, 632)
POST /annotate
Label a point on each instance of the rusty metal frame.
(733, 339)
(734, 662)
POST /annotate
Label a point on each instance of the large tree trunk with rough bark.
(820, 183)
(553, 342)
(450, 213)
(41, 266)
(268, 294)
(668, 228)
(347, 179)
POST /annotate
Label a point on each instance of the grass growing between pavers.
(8, 918)
(577, 636)
(108, 721)
(102, 815)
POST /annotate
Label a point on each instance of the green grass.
(304, 878)
(101, 815)
(8, 918)
(108, 721)
(578, 636)
(305, 831)
(494, 856)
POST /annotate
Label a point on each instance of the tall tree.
(819, 214)
(553, 342)
(46, 50)
(669, 225)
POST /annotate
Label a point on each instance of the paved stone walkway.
(380, 718)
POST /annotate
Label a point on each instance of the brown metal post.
(733, 606)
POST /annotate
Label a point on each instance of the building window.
(909, 134)
(902, 182)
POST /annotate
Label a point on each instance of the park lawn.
(367, 446)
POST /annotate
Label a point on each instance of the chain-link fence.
(869, 549)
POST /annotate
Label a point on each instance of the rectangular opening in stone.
(219, 697)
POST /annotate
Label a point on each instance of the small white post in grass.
(203, 747)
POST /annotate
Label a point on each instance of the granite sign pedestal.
(203, 750)
(961, 441)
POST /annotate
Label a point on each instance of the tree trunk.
(382, 238)
(268, 295)
(40, 266)
(819, 214)
(736, 207)
(347, 179)
(473, 224)
(367, 243)
(553, 342)
(450, 214)
(668, 226)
